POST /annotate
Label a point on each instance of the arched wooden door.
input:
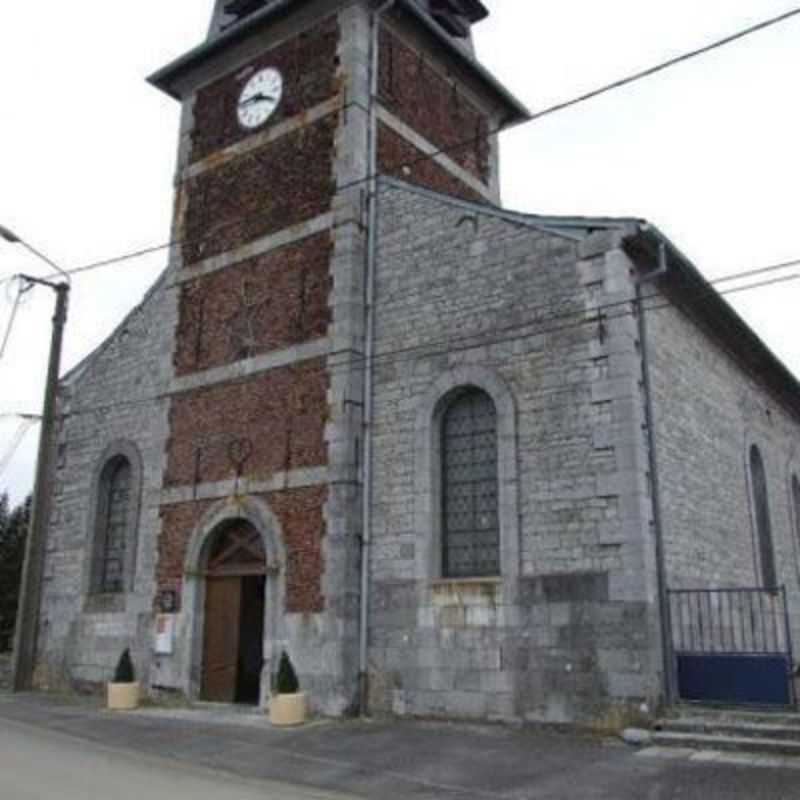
(233, 639)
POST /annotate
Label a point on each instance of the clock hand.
(256, 98)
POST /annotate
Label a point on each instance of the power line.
(556, 303)
(26, 423)
(442, 151)
(590, 316)
(633, 304)
(14, 309)
(603, 308)
(754, 272)
(558, 107)
(672, 62)
(449, 341)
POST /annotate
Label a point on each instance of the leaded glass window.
(766, 551)
(470, 524)
(117, 488)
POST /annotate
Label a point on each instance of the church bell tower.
(290, 109)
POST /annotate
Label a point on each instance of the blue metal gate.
(732, 646)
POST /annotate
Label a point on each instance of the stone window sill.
(447, 583)
(105, 604)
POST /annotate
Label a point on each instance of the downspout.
(661, 570)
(369, 347)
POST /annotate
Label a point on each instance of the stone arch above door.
(236, 548)
(249, 509)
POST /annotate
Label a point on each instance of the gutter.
(711, 309)
(369, 350)
(665, 620)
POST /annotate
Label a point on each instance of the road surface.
(40, 765)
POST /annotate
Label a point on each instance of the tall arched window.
(470, 524)
(766, 552)
(113, 526)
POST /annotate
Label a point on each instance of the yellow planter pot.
(288, 709)
(122, 696)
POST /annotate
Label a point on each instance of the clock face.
(260, 98)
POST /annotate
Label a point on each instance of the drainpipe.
(369, 347)
(661, 570)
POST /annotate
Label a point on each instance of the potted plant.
(288, 705)
(123, 691)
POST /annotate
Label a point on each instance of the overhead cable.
(557, 107)
(11, 319)
(588, 316)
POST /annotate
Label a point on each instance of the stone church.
(453, 459)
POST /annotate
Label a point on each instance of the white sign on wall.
(165, 634)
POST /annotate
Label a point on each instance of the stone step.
(746, 716)
(732, 727)
(705, 741)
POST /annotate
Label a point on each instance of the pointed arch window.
(470, 520)
(766, 551)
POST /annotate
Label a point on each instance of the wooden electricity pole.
(27, 627)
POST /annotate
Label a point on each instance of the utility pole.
(27, 627)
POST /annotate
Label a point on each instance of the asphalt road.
(71, 749)
(41, 765)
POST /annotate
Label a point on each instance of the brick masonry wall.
(400, 159)
(429, 101)
(261, 304)
(568, 632)
(280, 184)
(272, 421)
(290, 303)
(300, 513)
(708, 412)
(287, 407)
(309, 64)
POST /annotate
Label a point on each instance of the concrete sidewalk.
(37, 764)
(421, 760)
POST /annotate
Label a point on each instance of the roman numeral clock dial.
(260, 97)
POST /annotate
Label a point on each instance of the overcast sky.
(708, 151)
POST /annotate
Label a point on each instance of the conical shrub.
(287, 682)
(124, 672)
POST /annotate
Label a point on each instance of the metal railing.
(745, 621)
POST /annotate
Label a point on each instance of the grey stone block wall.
(112, 397)
(569, 630)
(5, 672)
(709, 411)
